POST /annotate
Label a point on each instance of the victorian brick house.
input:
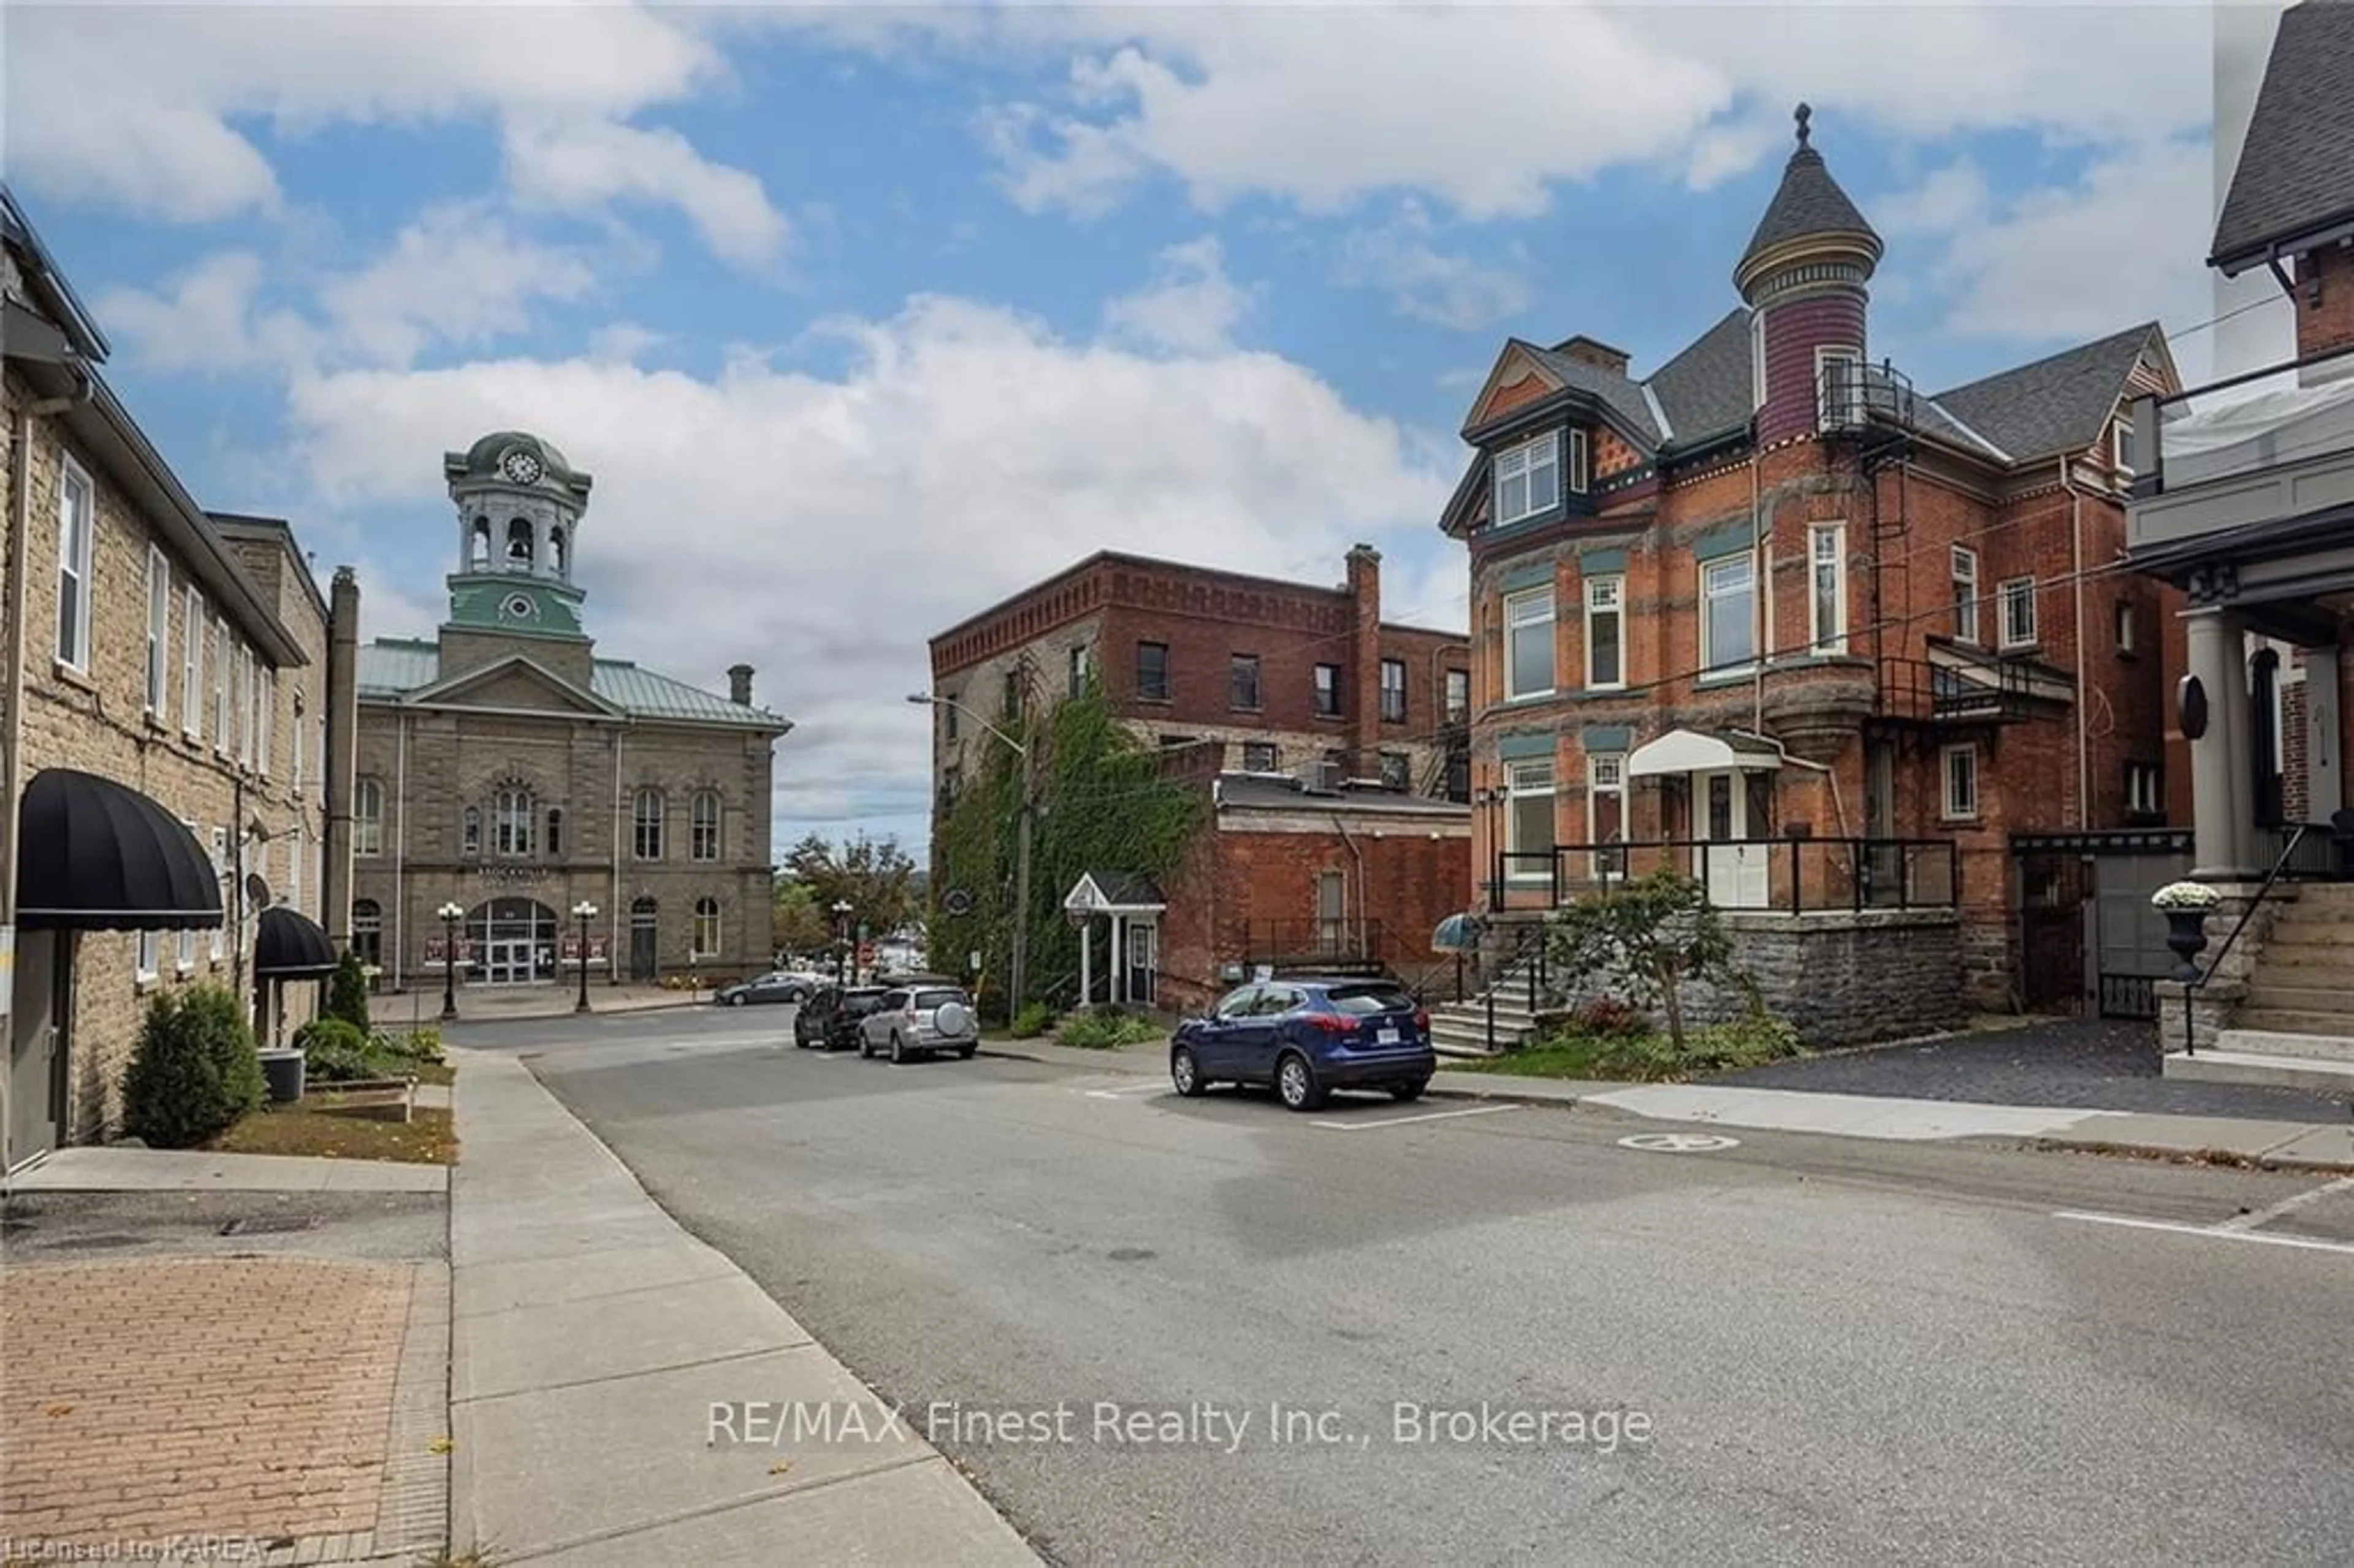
(1772, 614)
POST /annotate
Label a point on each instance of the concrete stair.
(2296, 1028)
(1460, 1028)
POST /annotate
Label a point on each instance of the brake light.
(1333, 1022)
(1422, 1018)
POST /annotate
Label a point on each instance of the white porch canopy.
(1698, 751)
(1132, 903)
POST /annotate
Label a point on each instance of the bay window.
(1728, 624)
(1529, 644)
(1528, 477)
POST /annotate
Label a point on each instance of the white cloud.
(2122, 244)
(205, 320)
(154, 114)
(1462, 290)
(1191, 306)
(966, 452)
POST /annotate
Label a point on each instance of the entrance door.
(1734, 871)
(1143, 960)
(643, 950)
(36, 1062)
(510, 963)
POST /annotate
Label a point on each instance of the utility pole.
(1020, 975)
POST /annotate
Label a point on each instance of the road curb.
(2160, 1154)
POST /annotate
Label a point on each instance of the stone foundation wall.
(2215, 1006)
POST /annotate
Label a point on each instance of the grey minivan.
(920, 1020)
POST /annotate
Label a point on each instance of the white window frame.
(512, 820)
(147, 965)
(248, 702)
(221, 670)
(1520, 621)
(159, 632)
(1953, 807)
(2145, 791)
(1457, 712)
(1388, 666)
(1757, 360)
(697, 826)
(2011, 595)
(1606, 774)
(1612, 588)
(1581, 463)
(194, 617)
(1961, 568)
(76, 550)
(1710, 667)
(1519, 786)
(706, 908)
(368, 818)
(1522, 462)
(2122, 456)
(1831, 639)
(220, 870)
(1851, 412)
(2129, 632)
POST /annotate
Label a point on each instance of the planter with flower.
(2186, 905)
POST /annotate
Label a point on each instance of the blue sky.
(861, 319)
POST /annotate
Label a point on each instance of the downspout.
(2076, 573)
(1359, 855)
(613, 959)
(1762, 591)
(400, 855)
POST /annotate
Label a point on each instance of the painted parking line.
(1408, 1121)
(2222, 1232)
(1152, 1087)
(2286, 1206)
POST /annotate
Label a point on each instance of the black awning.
(289, 945)
(96, 855)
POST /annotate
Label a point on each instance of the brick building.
(168, 699)
(1774, 616)
(505, 768)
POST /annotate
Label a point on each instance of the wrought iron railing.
(2288, 850)
(1338, 940)
(1993, 691)
(2307, 852)
(1791, 875)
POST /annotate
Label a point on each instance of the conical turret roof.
(1809, 204)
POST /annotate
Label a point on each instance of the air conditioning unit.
(1317, 776)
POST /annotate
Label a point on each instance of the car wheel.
(964, 1053)
(735, 1001)
(898, 1050)
(1295, 1083)
(1409, 1090)
(866, 1046)
(1186, 1072)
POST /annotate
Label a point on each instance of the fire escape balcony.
(1931, 693)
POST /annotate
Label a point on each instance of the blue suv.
(1306, 1038)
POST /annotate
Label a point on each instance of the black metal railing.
(2307, 852)
(2273, 878)
(1995, 692)
(1342, 940)
(1791, 875)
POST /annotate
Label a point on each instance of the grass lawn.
(1555, 1059)
(434, 1072)
(312, 1129)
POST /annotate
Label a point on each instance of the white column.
(1087, 960)
(1118, 990)
(2218, 759)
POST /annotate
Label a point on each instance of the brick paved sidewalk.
(292, 1404)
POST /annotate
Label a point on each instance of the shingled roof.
(2060, 404)
(1704, 391)
(2295, 176)
(1625, 397)
(1810, 202)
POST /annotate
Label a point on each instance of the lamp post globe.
(450, 913)
(584, 912)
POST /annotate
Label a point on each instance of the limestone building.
(505, 768)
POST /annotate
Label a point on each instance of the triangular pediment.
(517, 683)
(1519, 378)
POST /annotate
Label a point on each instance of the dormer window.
(2123, 453)
(1528, 479)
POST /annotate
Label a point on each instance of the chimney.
(1365, 658)
(739, 684)
(1594, 352)
(341, 764)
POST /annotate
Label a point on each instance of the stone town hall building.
(505, 768)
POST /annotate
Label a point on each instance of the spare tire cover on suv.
(952, 1018)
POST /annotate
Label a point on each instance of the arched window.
(511, 821)
(705, 845)
(555, 551)
(706, 929)
(474, 831)
(519, 547)
(555, 829)
(647, 818)
(367, 931)
(368, 817)
(478, 545)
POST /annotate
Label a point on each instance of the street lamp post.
(1019, 968)
(584, 912)
(451, 914)
(842, 912)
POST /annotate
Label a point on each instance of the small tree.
(347, 992)
(194, 1071)
(1653, 933)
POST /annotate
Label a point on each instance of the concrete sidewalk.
(93, 1168)
(2287, 1145)
(597, 1349)
(421, 1006)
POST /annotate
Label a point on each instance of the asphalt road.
(1841, 1350)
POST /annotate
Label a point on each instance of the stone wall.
(2215, 1005)
(1841, 978)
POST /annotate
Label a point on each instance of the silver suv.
(926, 1019)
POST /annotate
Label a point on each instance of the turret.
(1805, 278)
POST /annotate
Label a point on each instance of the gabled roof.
(1121, 890)
(2057, 404)
(1622, 396)
(566, 698)
(394, 668)
(1704, 391)
(2295, 178)
(1807, 202)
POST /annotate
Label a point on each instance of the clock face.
(521, 467)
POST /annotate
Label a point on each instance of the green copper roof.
(505, 601)
(393, 667)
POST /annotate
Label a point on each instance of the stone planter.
(282, 1071)
(2186, 934)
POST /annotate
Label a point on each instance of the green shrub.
(334, 1051)
(1033, 1021)
(194, 1071)
(414, 1045)
(1107, 1029)
(348, 996)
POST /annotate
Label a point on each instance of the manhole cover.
(1679, 1142)
(270, 1224)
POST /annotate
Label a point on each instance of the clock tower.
(519, 506)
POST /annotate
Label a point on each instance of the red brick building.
(1772, 614)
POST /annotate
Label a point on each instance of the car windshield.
(1367, 999)
(926, 1001)
(863, 1001)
